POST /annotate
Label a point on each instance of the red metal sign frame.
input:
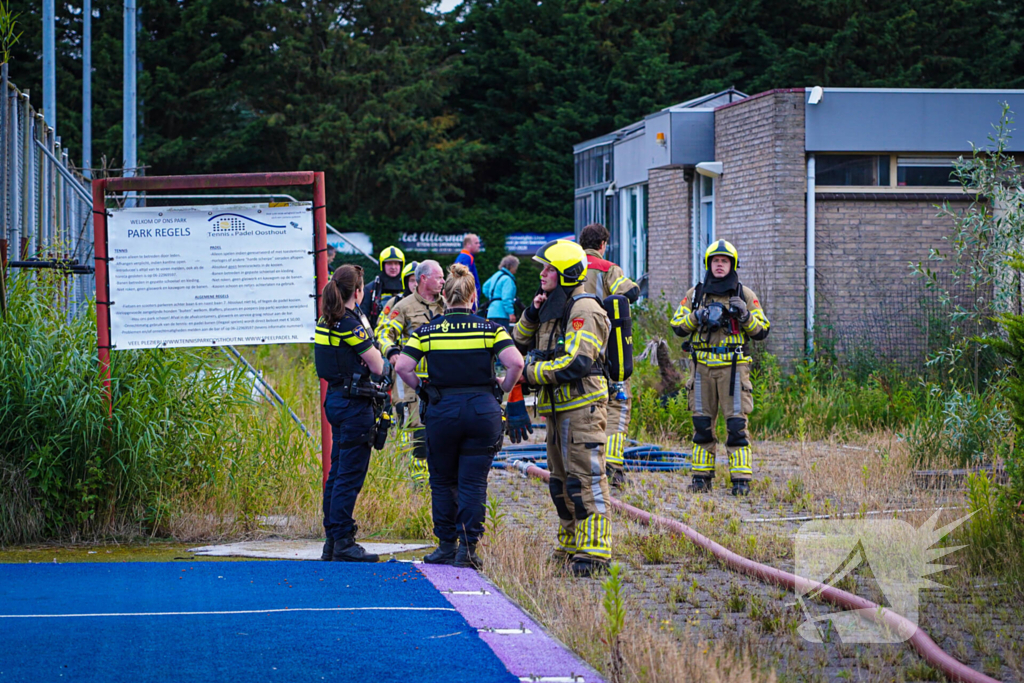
(101, 186)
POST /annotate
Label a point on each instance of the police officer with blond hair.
(718, 318)
(606, 279)
(566, 331)
(463, 412)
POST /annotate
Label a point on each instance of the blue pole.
(49, 65)
(87, 88)
(130, 138)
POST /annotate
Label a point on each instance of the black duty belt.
(719, 349)
(452, 391)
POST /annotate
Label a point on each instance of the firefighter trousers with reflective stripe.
(412, 436)
(578, 485)
(708, 393)
(618, 425)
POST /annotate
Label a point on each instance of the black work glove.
(517, 421)
(738, 303)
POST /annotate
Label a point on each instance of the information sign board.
(211, 275)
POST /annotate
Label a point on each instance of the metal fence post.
(13, 128)
(4, 174)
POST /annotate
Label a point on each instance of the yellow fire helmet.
(568, 258)
(391, 254)
(409, 270)
(722, 248)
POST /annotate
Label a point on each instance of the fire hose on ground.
(920, 641)
(642, 458)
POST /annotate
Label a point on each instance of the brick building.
(828, 194)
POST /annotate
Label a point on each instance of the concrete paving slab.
(294, 550)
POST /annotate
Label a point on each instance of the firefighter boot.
(741, 487)
(347, 550)
(445, 553)
(584, 565)
(328, 549)
(700, 485)
(616, 477)
(466, 556)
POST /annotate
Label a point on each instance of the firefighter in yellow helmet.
(409, 279)
(718, 318)
(565, 332)
(386, 285)
(404, 318)
(605, 279)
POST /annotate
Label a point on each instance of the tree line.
(417, 115)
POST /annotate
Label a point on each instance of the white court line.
(240, 611)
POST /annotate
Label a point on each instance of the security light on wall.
(712, 169)
(817, 94)
(610, 192)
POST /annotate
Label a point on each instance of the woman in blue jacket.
(501, 289)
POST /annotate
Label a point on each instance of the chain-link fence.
(901, 327)
(45, 205)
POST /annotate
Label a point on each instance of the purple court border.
(534, 654)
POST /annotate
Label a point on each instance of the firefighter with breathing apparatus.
(386, 285)
(564, 333)
(409, 280)
(718, 318)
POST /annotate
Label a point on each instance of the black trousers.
(463, 434)
(350, 418)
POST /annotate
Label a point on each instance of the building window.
(706, 221)
(633, 230)
(925, 171)
(583, 212)
(852, 169)
(594, 166)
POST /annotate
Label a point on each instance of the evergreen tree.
(359, 90)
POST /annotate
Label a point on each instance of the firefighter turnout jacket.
(403, 319)
(724, 346)
(604, 278)
(569, 366)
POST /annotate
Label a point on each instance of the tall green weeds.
(189, 449)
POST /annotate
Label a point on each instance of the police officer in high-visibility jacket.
(463, 412)
(718, 318)
(347, 360)
(566, 331)
(419, 308)
(604, 279)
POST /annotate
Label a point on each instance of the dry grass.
(259, 503)
(571, 610)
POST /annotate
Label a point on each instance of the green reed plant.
(74, 467)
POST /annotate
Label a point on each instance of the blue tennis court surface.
(247, 621)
